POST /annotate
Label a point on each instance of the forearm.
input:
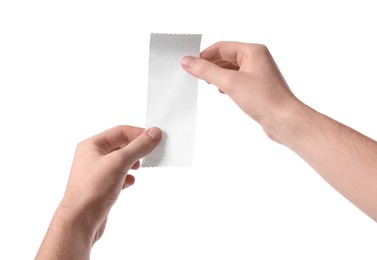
(249, 75)
(66, 238)
(346, 159)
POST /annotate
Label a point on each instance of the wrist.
(286, 122)
(68, 237)
(77, 221)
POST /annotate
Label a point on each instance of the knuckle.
(228, 80)
(260, 49)
(147, 143)
(222, 43)
(203, 68)
(140, 147)
(118, 158)
(81, 145)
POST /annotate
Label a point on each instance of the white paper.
(172, 98)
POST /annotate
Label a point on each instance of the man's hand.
(249, 75)
(99, 173)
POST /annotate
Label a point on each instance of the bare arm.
(68, 237)
(346, 159)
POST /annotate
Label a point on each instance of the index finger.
(233, 52)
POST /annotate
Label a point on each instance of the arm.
(99, 173)
(346, 159)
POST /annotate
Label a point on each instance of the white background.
(70, 69)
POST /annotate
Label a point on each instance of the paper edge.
(200, 45)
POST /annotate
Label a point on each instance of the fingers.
(231, 52)
(228, 65)
(129, 181)
(140, 146)
(218, 64)
(209, 72)
(116, 137)
(136, 165)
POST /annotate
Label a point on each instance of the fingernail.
(187, 61)
(155, 133)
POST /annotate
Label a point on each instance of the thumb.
(141, 145)
(209, 72)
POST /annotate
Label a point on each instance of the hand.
(100, 169)
(345, 158)
(99, 173)
(248, 74)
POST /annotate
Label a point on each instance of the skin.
(248, 74)
(346, 159)
(98, 175)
